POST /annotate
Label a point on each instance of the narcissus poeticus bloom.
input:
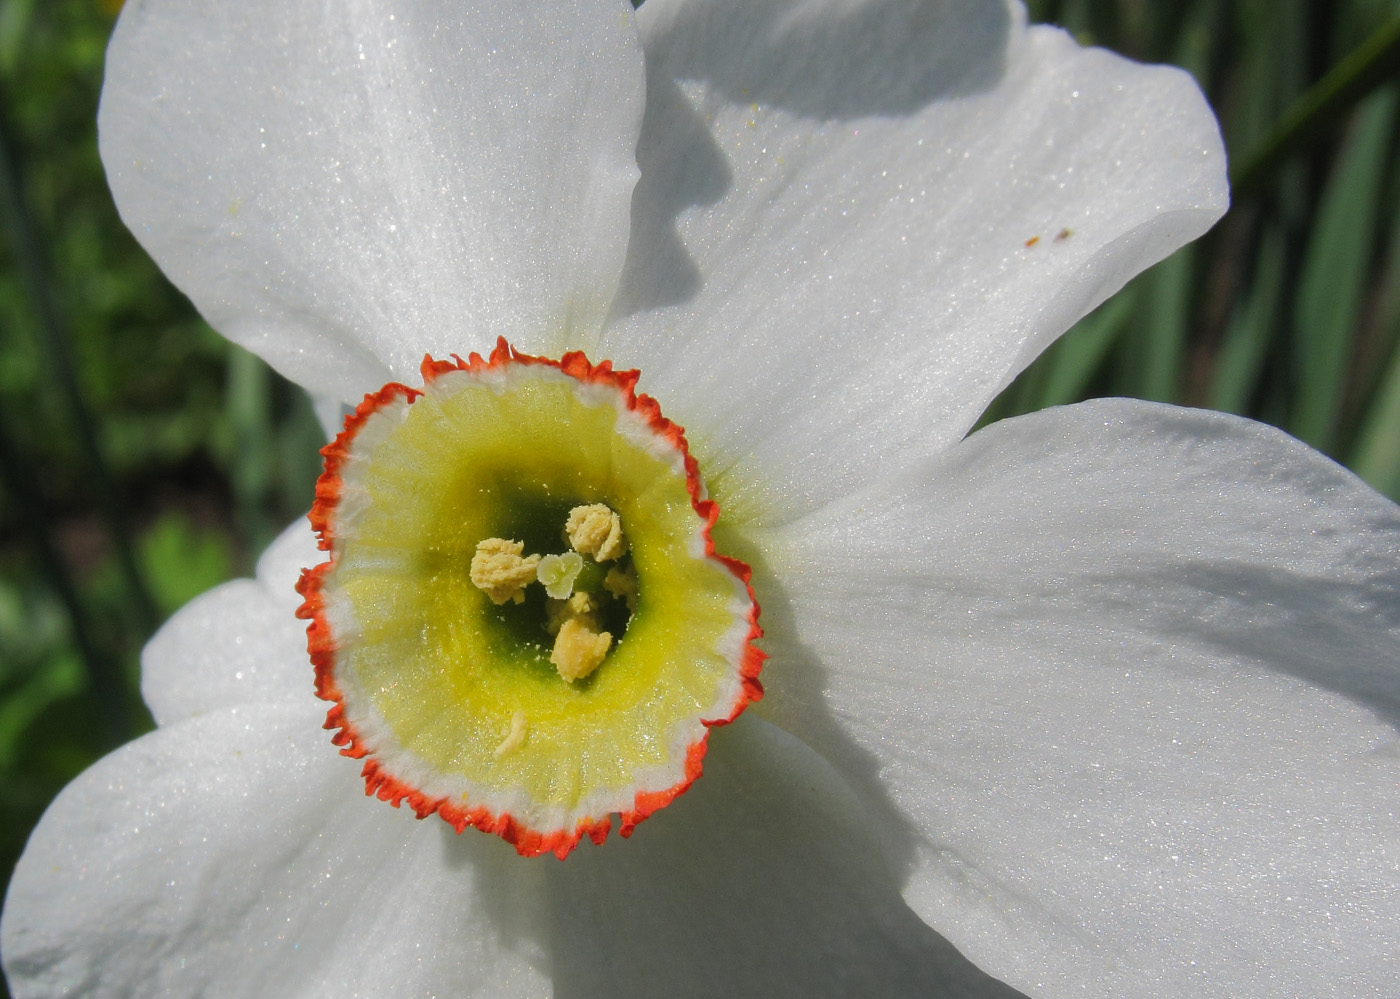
(1099, 701)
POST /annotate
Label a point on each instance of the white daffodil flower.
(1096, 702)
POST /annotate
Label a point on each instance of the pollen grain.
(519, 731)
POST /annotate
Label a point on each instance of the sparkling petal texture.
(1133, 673)
(842, 195)
(364, 181)
(231, 855)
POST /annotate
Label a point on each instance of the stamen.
(499, 571)
(516, 738)
(578, 651)
(581, 606)
(595, 530)
(622, 583)
(559, 572)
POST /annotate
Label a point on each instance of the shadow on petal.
(882, 57)
(877, 57)
(1311, 628)
(763, 880)
(795, 681)
(681, 167)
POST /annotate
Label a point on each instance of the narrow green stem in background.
(102, 672)
(1331, 285)
(1244, 350)
(1165, 326)
(1366, 67)
(54, 340)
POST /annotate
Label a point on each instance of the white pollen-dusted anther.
(595, 530)
(558, 573)
(499, 570)
(519, 730)
(578, 650)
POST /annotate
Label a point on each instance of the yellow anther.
(595, 530)
(578, 651)
(499, 570)
(518, 731)
(622, 583)
(581, 606)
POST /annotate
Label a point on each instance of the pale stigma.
(558, 573)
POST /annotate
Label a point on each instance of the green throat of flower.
(523, 625)
(576, 602)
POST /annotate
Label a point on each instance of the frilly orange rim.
(322, 647)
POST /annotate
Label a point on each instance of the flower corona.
(523, 625)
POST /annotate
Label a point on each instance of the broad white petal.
(1133, 674)
(763, 880)
(239, 643)
(859, 219)
(235, 855)
(343, 186)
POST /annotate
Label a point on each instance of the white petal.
(1133, 672)
(280, 566)
(331, 414)
(763, 880)
(829, 248)
(343, 186)
(239, 643)
(236, 855)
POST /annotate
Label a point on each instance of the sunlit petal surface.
(362, 182)
(231, 855)
(1132, 675)
(882, 211)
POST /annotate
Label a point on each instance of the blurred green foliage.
(198, 452)
(1288, 311)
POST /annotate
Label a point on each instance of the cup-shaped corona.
(463, 696)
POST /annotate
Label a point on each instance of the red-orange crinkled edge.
(322, 646)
